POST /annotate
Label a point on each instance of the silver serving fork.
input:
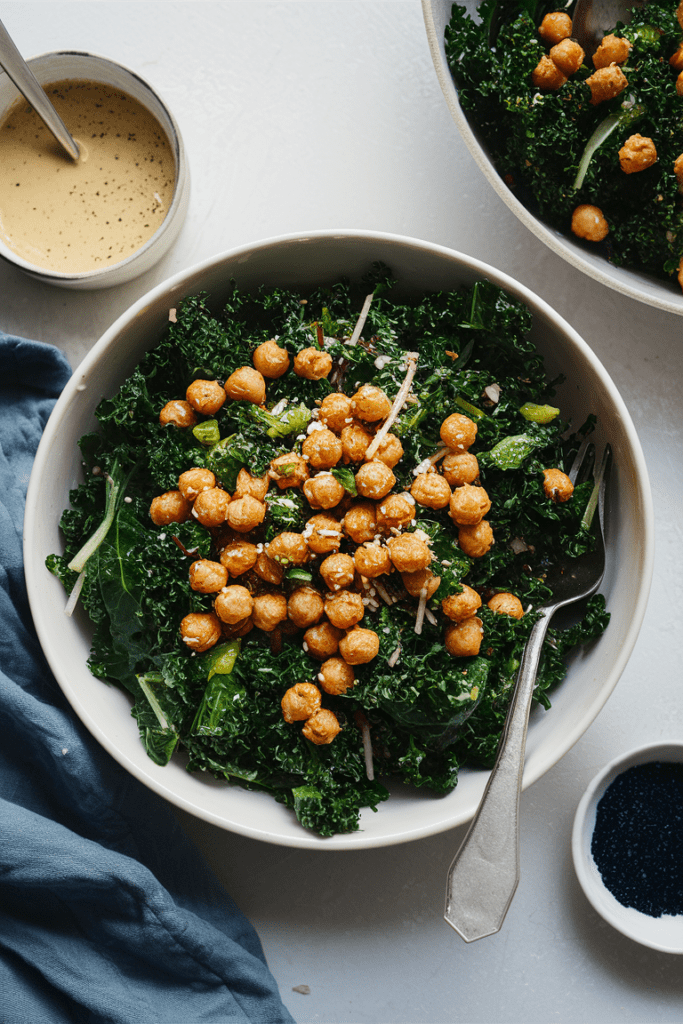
(592, 19)
(485, 872)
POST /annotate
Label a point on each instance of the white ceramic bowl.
(317, 258)
(80, 66)
(663, 933)
(639, 286)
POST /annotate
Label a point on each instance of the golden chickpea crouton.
(305, 607)
(322, 641)
(245, 514)
(394, 511)
(177, 413)
(606, 83)
(423, 579)
(679, 85)
(288, 549)
(589, 222)
(460, 468)
(506, 604)
(557, 485)
(239, 556)
(374, 480)
(270, 360)
(246, 385)
(200, 630)
(371, 404)
(322, 727)
(269, 611)
(409, 553)
(335, 411)
(170, 507)
(312, 363)
(458, 432)
(568, 56)
(461, 606)
(336, 676)
(206, 396)
(476, 541)
(211, 506)
(322, 449)
(233, 604)
(431, 490)
(195, 480)
(678, 171)
(323, 534)
(546, 76)
(555, 27)
(679, 275)
(323, 491)
(637, 154)
(359, 646)
(612, 50)
(207, 577)
(463, 639)
(676, 59)
(289, 470)
(344, 609)
(300, 702)
(338, 571)
(371, 560)
(468, 505)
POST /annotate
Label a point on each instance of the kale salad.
(592, 144)
(312, 533)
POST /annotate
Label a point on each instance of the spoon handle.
(30, 88)
(484, 874)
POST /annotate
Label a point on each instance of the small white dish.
(663, 933)
(81, 66)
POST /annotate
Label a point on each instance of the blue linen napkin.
(107, 912)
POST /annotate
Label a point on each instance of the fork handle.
(484, 874)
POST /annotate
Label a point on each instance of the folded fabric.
(107, 911)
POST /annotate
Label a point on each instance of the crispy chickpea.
(289, 470)
(393, 512)
(268, 569)
(323, 534)
(606, 83)
(170, 507)
(238, 557)
(335, 676)
(506, 604)
(371, 560)
(476, 540)
(246, 385)
(177, 413)
(322, 449)
(676, 59)
(568, 56)
(459, 469)
(679, 84)
(200, 630)
(206, 396)
(431, 490)
(312, 364)
(589, 222)
(423, 579)
(233, 604)
(355, 442)
(557, 485)
(305, 607)
(460, 606)
(344, 609)
(336, 412)
(360, 523)
(359, 646)
(207, 577)
(371, 404)
(288, 549)
(323, 491)
(269, 611)
(254, 486)
(409, 553)
(546, 76)
(637, 154)
(463, 639)
(322, 727)
(679, 13)
(245, 514)
(211, 506)
(322, 641)
(374, 480)
(468, 505)
(458, 432)
(612, 50)
(195, 480)
(300, 702)
(679, 275)
(390, 451)
(270, 360)
(338, 571)
(555, 27)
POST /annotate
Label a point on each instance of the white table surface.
(304, 115)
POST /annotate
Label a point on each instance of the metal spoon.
(593, 19)
(30, 88)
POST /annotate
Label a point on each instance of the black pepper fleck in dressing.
(637, 842)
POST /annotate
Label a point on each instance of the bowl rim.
(178, 147)
(626, 920)
(554, 240)
(61, 410)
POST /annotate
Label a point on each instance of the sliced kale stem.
(623, 118)
(77, 563)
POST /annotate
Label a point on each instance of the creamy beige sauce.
(72, 216)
